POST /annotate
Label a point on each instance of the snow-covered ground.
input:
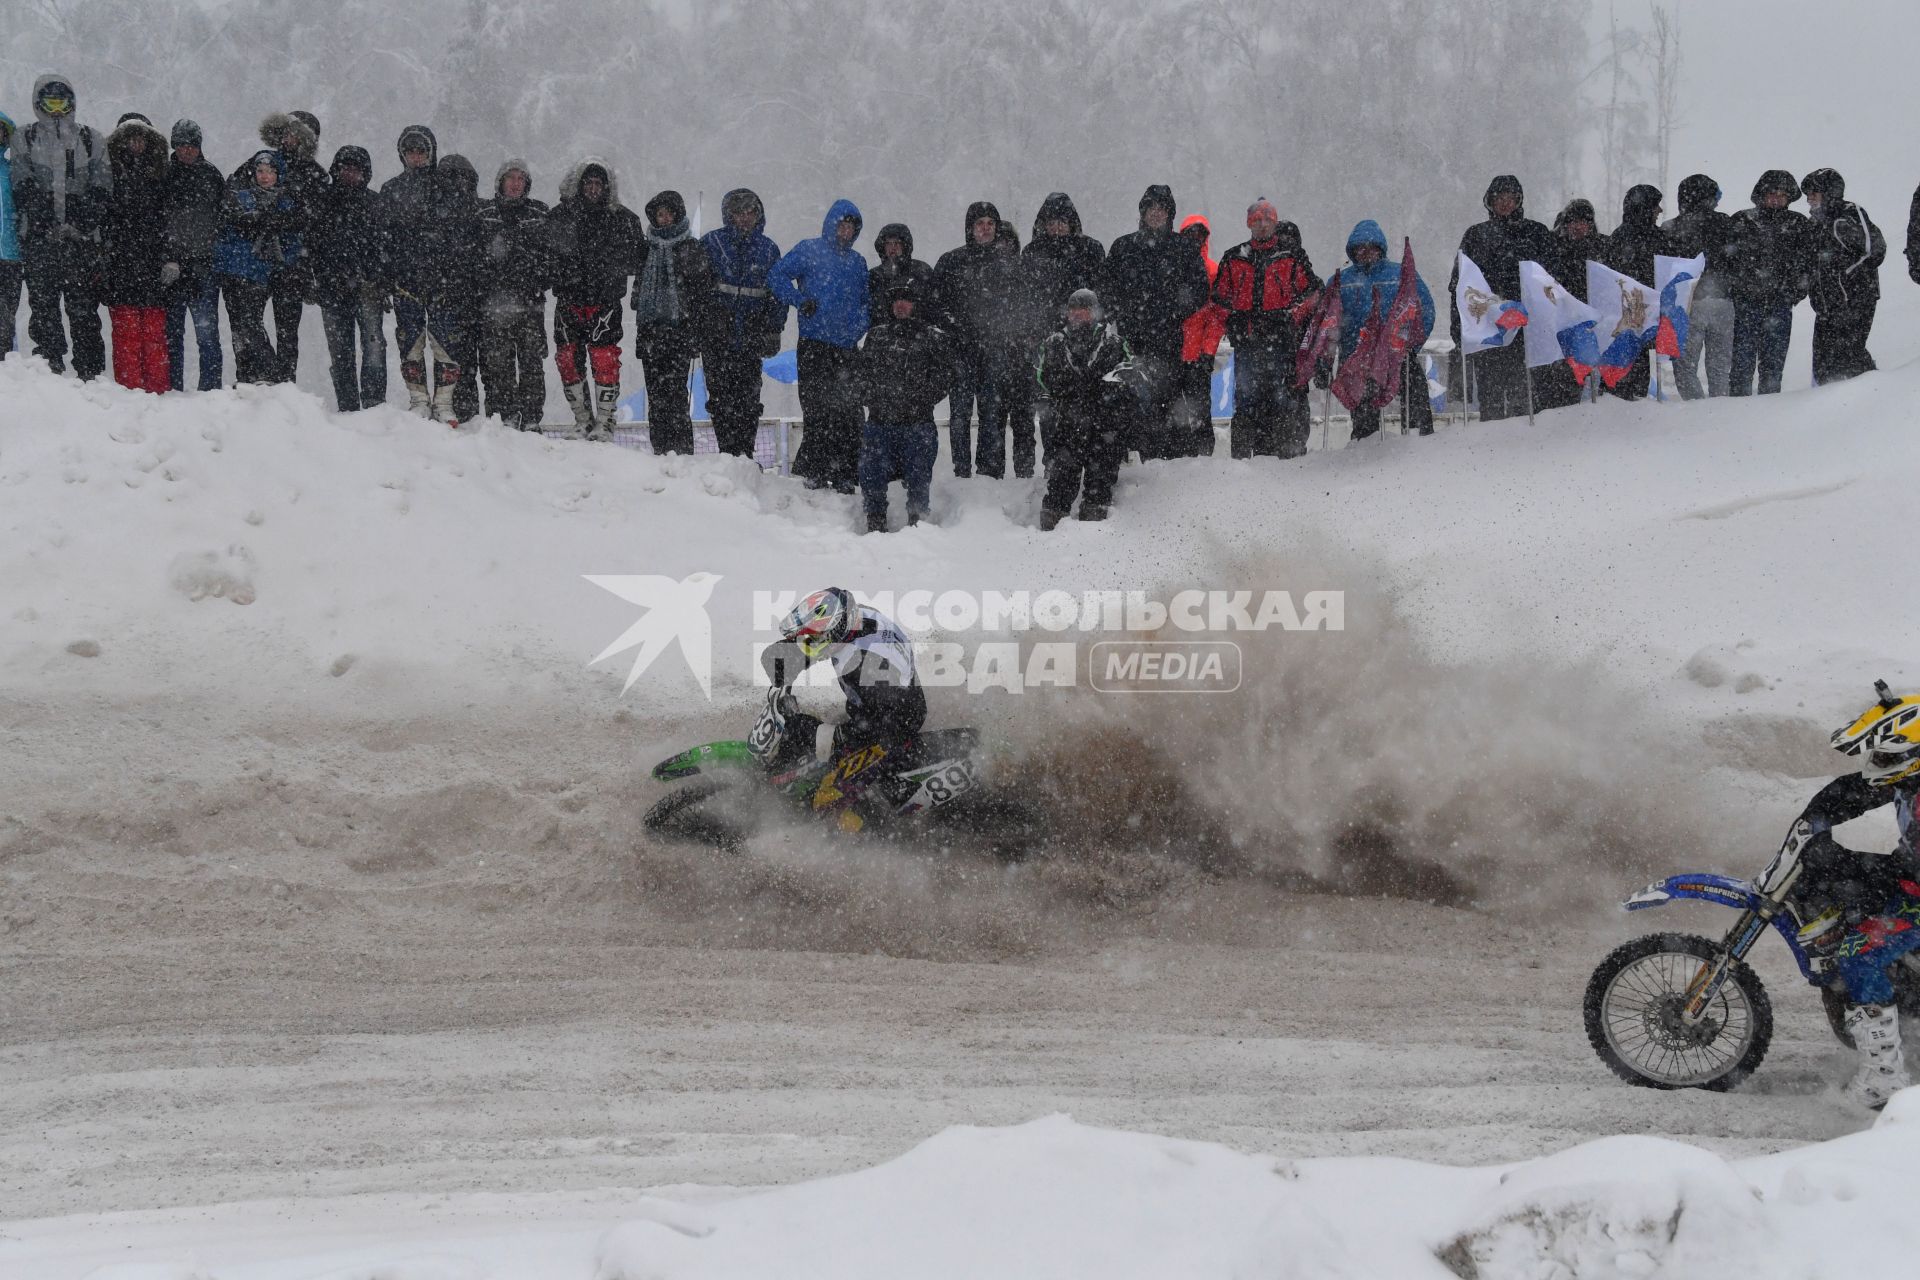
(323, 897)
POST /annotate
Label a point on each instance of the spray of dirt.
(1351, 763)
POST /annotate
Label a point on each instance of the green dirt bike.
(943, 783)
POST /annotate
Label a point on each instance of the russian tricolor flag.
(1560, 326)
(1675, 278)
(1629, 319)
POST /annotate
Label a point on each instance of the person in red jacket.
(1191, 423)
(1266, 287)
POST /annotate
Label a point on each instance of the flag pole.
(1529, 377)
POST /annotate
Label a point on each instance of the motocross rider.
(873, 658)
(1861, 910)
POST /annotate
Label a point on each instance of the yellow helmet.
(1887, 734)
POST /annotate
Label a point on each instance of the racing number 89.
(950, 782)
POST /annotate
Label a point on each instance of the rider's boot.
(1875, 1029)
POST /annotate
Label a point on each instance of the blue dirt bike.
(1679, 1011)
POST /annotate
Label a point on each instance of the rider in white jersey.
(873, 659)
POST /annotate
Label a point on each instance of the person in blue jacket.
(10, 268)
(825, 279)
(1368, 271)
(740, 321)
(262, 237)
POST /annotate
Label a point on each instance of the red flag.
(1401, 329)
(1355, 384)
(1322, 333)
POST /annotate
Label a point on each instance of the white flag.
(1486, 321)
(1629, 314)
(1559, 325)
(1675, 279)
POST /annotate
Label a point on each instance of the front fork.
(1712, 976)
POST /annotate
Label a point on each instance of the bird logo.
(676, 612)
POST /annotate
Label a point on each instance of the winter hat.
(1262, 208)
(1698, 192)
(269, 158)
(308, 119)
(1776, 180)
(1827, 182)
(1083, 298)
(134, 116)
(185, 134)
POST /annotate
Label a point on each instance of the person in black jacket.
(1630, 250)
(349, 280)
(670, 289)
(1153, 279)
(1062, 258)
(1026, 320)
(133, 277)
(1576, 240)
(895, 264)
(906, 368)
(409, 207)
(1498, 246)
(513, 303)
(194, 195)
(1077, 369)
(1700, 228)
(463, 266)
(1847, 252)
(968, 281)
(595, 244)
(290, 134)
(1771, 254)
(61, 187)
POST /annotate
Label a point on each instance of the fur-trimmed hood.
(151, 166)
(513, 164)
(281, 131)
(570, 183)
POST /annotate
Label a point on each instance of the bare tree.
(1663, 48)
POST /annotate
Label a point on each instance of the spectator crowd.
(1061, 346)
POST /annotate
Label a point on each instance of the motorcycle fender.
(1725, 890)
(700, 759)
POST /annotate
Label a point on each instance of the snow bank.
(1062, 1200)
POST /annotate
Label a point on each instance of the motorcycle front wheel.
(1633, 1011)
(684, 814)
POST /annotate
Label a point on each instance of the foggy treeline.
(1400, 110)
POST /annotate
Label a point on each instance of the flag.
(1628, 319)
(1485, 321)
(1320, 333)
(1355, 386)
(1675, 279)
(1400, 328)
(1559, 325)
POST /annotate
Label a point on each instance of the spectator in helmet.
(61, 187)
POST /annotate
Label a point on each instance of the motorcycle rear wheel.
(1632, 1012)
